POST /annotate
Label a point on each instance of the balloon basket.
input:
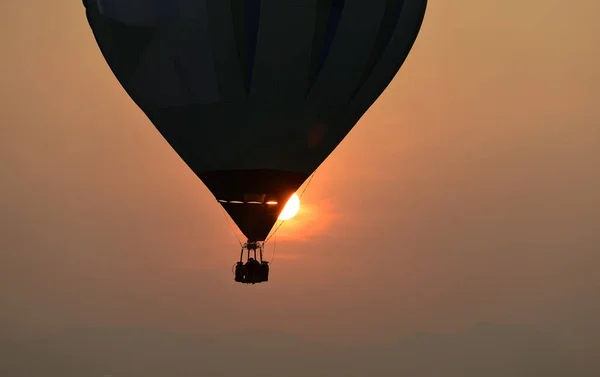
(255, 270)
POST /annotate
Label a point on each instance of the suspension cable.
(299, 197)
(231, 226)
(273, 252)
(275, 231)
(307, 183)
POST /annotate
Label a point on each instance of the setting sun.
(291, 208)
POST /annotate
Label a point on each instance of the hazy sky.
(468, 194)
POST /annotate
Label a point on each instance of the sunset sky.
(465, 201)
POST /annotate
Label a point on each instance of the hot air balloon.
(254, 94)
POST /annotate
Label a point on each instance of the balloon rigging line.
(302, 193)
(307, 183)
(231, 226)
(273, 252)
(275, 231)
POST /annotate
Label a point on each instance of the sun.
(291, 208)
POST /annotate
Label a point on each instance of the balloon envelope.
(254, 95)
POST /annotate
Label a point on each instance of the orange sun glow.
(291, 208)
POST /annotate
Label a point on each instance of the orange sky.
(470, 192)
